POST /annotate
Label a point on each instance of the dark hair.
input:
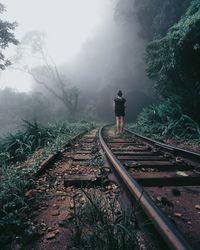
(119, 93)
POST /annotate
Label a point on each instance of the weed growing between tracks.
(34, 143)
(99, 223)
(96, 160)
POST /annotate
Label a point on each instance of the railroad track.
(165, 180)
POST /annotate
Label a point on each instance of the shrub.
(166, 120)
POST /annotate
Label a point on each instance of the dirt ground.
(184, 145)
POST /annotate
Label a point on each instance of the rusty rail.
(165, 228)
(191, 156)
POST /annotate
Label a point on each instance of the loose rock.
(51, 235)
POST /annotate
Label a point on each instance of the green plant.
(100, 224)
(15, 222)
(96, 160)
(172, 62)
(13, 205)
(19, 146)
(167, 120)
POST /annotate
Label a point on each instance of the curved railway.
(165, 180)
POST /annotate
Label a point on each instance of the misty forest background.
(149, 48)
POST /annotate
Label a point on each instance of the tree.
(157, 16)
(6, 38)
(47, 74)
(173, 61)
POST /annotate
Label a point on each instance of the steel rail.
(192, 156)
(165, 228)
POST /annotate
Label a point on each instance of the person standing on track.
(119, 109)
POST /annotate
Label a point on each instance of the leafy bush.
(166, 120)
(13, 205)
(18, 146)
(173, 61)
(100, 224)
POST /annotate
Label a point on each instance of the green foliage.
(157, 16)
(100, 224)
(13, 206)
(6, 38)
(18, 146)
(164, 121)
(173, 62)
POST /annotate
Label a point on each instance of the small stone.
(177, 215)
(82, 200)
(159, 198)
(114, 186)
(71, 205)
(55, 206)
(57, 231)
(55, 213)
(197, 207)
(189, 223)
(181, 173)
(179, 159)
(51, 235)
(60, 193)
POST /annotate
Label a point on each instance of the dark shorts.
(117, 113)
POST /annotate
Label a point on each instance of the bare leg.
(117, 124)
(121, 124)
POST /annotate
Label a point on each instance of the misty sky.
(67, 23)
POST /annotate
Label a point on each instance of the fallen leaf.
(181, 173)
(178, 159)
(177, 215)
(50, 235)
(197, 207)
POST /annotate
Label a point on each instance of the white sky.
(67, 23)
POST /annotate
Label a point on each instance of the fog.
(72, 58)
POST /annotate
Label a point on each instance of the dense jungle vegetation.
(21, 154)
(172, 32)
(172, 62)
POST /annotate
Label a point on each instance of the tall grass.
(18, 146)
(100, 224)
(166, 120)
(15, 208)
